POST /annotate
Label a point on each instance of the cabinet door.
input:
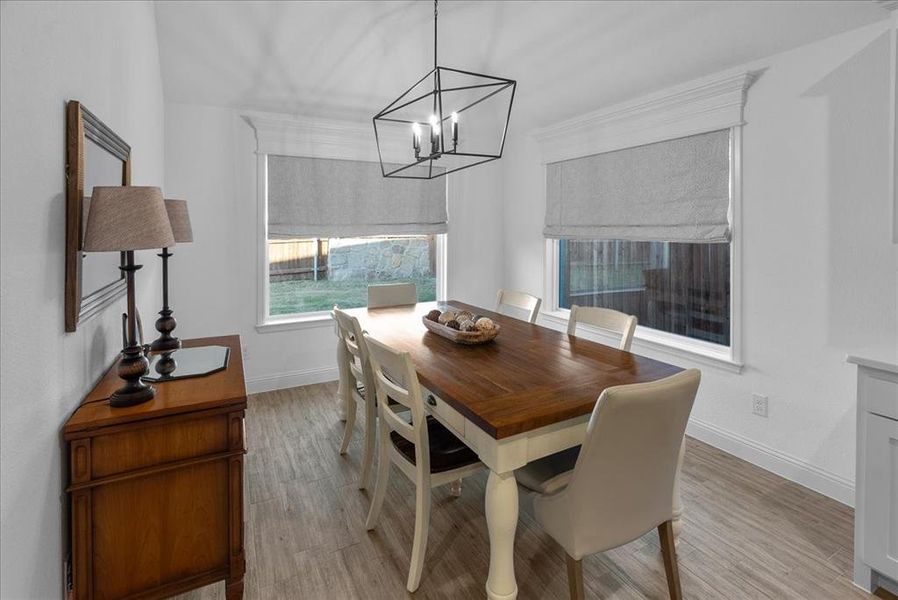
(881, 498)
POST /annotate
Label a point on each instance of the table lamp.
(125, 219)
(165, 324)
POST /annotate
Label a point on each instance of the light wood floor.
(747, 533)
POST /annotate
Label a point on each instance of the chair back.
(604, 318)
(525, 303)
(392, 294)
(395, 378)
(623, 482)
(351, 335)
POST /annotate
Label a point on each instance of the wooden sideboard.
(156, 490)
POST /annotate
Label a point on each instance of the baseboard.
(884, 584)
(787, 466)
(280, 381)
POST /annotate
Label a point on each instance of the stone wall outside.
(382, 260)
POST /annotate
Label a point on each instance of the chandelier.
(447, 121)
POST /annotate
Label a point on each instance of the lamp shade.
(179, 219)
(127, 218)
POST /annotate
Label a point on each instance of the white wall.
(105, 55)
(819, 267)
(210, 161)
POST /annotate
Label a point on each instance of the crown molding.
(888, 4)
(697, 106)
(292, 135)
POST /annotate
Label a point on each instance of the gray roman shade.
(672, 191)
(319, 197)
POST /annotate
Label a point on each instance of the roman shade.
(322, 198)
(672, 191)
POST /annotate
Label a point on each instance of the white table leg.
(502, 520)
(677, 497)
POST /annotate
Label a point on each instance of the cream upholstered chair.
(520, 301)
(604, 318)
(622, 483)
(358, 378)
(423, 449)
(392, 294)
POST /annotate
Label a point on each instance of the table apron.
(508, 454)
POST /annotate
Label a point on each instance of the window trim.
(265, 322)
(646, 338)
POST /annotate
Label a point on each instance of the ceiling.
(350, 59)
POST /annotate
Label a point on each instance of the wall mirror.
(95, 155)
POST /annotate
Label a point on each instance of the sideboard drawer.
(881, 393)
(158, 443)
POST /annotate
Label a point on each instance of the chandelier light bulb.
(416, 139)
(435, 125)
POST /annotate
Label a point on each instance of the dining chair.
(420, 446)
(520, 301)
(392, 294)
(359, 378)
(621, 484)
(615, 321)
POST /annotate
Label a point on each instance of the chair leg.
(455, 488)
(370, 439)
(422, 525)
(350, 422)
(383, 476)
(669, 552)
(574, 577)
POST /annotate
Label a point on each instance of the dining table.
(523, 396)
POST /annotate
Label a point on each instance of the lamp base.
(165, 324)
(131, 368)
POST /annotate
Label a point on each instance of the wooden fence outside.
(297, 259)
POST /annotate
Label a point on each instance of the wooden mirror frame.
(81, 124)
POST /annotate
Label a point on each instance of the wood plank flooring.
(747, 533)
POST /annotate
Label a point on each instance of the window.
(332, 227)
(681, 190)
(679, 288)
(313, 274)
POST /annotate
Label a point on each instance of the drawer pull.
(431, 400)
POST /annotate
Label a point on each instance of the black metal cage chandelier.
(411, 132)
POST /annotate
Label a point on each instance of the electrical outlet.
(759, 405)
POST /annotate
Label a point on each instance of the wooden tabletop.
(223, 388)
(528, 377)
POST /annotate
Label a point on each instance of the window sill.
(311, 321)
(656, 341)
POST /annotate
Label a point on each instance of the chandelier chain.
(435, 33)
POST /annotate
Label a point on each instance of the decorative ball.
(463, 316)
(484, 324)
(467, 325)
(433, 315)
(476, 318)
(446, 316)
(453, 324)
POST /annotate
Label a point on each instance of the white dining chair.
(359, 378)
(611, 320)
(392, 294)
(521, 302)
(422, 448)
(621, 484)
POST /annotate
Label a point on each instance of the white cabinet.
(881, 500)
(876, 485)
